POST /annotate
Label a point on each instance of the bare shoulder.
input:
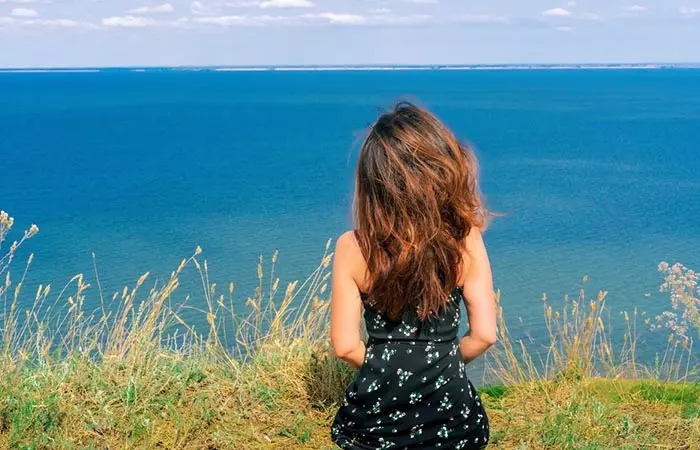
(347, 249)
(347, 242)
(348, 257)
(473, 253)
(474, 240)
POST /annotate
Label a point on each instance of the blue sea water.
(595, 172)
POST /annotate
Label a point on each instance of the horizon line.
(340, 67)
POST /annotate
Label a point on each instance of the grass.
(594, 413)
(183, 404)
(135, 375)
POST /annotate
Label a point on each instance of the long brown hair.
(416, 199)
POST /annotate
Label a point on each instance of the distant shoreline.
(368, 67)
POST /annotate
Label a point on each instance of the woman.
(416, 253)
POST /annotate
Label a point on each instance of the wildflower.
(683, 284)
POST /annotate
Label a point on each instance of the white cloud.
(327, 18)
(347, 19)
(311, 19)
(636, 8)
(225, 21)
(565, 29)
(197, 8)
(400, 20)
(481, 18)
(64, 23)
(423, 2)
(380, 11)
(689, 12)
(571, 3)
(592, 16)
(249, 21)
(24, 12)
(52, 23)
(556, 12)
(19, 1)
(128, 22)
(241, 3)
(286, 4)
(164, 8)
(356, 19)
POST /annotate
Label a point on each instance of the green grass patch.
(494, 391)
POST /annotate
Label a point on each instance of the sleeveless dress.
(412, 391)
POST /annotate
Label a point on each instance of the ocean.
(594, 172)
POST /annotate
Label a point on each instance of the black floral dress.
(412, 391)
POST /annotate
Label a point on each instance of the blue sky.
(60, 33)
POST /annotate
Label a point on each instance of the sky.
(107, 33)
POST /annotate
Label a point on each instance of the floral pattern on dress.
(412, 391)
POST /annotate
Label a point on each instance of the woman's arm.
(479, 298)
(346, 304)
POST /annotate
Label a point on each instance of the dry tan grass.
(135, 374)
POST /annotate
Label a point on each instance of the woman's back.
(412, 390)
(415, 256)
(411, 328)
